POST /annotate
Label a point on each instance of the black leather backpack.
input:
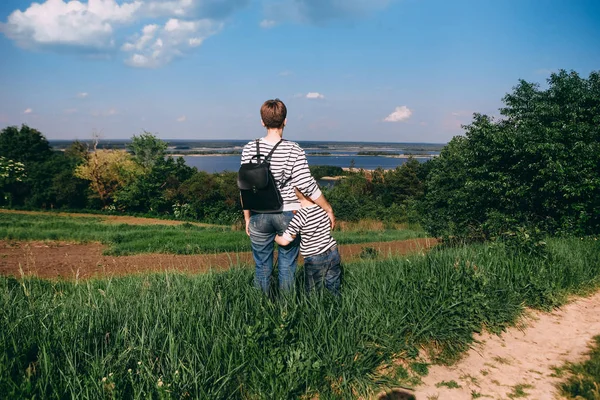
(258, 188)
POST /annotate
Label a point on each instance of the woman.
(290, 170)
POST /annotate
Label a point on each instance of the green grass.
(125, 239)
(519, 391)
(584, 378)
(449, 384)
(215, 336)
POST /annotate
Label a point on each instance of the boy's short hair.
(273, 113)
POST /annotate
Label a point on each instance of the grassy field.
(214, 336)
(584, 378)
(181, 239)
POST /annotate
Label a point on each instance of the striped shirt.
(288, 164)
(314, 227)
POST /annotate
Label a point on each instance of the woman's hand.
(331, 218)
(247, 219)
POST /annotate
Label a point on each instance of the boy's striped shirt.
(288, 161)
(314, 227)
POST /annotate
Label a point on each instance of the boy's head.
(273, 114)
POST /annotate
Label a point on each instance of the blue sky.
(370, 70)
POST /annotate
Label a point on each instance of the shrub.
(536, 167)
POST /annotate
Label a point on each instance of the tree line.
(534, 169)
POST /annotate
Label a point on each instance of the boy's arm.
(284, 240)
(291, 231)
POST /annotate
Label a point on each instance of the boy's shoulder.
(313, 210)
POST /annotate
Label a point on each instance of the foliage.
(150, 181)
(48, 179)
(536, 167)
(382, 195)
(147, 150)
(11, 172)
(25, 145)
(215, 336)
(212, 197)
(108, 171)
(155, 189)
(319, 171)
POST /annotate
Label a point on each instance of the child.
(321, 256)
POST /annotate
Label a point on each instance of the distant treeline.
(205, 152)
(389, 153)
(533, 171)
(231, 144)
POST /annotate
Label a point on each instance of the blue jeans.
(263, 228)
(322, 269)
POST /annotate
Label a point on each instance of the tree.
(147, 150)
(155, 188)
(536, 167)
(108, 171)
(25, 145)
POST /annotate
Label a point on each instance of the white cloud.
(82, 95)
(182, 118)
(71, 23)
(314, 95)
(157, 46)
(267, 23)
(401, 113)
(28, 111)
(94, 28)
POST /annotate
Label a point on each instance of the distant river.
(214, 164)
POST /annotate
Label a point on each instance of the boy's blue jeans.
(263, 228)
(322, 269)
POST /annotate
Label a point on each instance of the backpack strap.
(268, 158)
(257, 150)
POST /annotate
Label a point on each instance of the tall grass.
(125, 239)
(214, 336)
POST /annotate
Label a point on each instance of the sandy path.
(521, 356)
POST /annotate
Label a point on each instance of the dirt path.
(70, 260)
(521, 356)
(111, 219)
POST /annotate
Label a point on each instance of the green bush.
(536, 167)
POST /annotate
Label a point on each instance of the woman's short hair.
(273, 113)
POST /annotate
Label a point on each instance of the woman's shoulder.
(291, 146)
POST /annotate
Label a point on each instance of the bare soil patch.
(111, 219)
(64, 260)
(519, 363)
